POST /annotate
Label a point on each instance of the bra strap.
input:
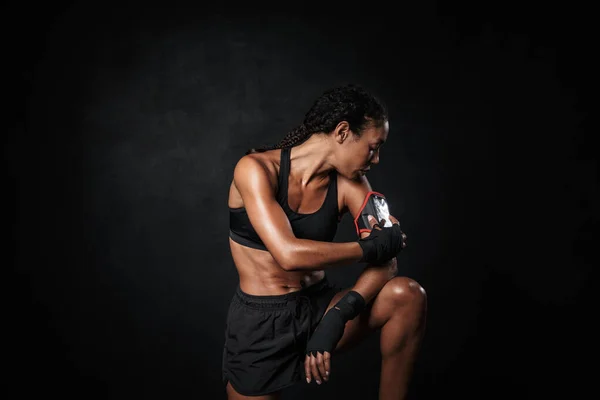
(284, 171)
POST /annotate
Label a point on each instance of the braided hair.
(350, 103)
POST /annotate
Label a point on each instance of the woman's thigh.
(377, 312)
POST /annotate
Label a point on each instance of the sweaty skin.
(259, 271)
(293, 263)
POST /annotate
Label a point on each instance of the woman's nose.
(375, 158)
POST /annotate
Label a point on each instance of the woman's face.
(357, 154)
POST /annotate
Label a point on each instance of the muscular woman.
(286, 321)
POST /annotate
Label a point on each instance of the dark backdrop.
(125, 122)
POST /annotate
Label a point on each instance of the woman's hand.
(382, 223)
(318, 366)
(381, 243)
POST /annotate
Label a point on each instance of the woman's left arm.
(371, 280)
(373, 277)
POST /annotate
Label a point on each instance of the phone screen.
(377, 206)
(382, 210)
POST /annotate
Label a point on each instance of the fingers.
(317, 367)
(327, 363)
(396, 222)
(373, 222)
(314, 367)
(307, 368)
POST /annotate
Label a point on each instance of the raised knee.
(404, 291)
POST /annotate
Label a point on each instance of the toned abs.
(259, 273)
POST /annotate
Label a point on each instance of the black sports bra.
(320, 225)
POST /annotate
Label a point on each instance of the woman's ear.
(342, 132)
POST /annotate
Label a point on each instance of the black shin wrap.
(331, 328)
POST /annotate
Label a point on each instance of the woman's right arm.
(273, 227)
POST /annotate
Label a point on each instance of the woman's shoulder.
(263, 165)
(352, 191)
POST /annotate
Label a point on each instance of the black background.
(125, 122)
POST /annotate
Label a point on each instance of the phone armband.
(375, 204)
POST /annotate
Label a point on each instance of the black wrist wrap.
(331, 328)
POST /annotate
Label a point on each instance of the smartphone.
(375, 204)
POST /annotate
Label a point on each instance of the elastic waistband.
(280, 300)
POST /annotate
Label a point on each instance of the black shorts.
(266, 337)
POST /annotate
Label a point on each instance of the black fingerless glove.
(331, 328)
(381, 245)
